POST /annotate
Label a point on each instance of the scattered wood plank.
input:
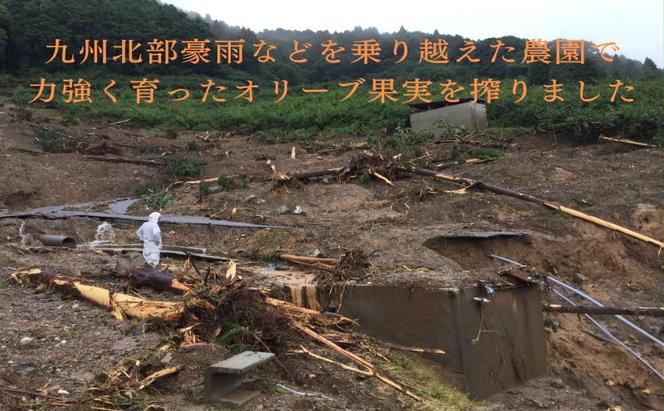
(595, 310)
(466, 182)
(627, 141)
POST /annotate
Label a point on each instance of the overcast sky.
(636, 25)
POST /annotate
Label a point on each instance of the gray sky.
(635, 25)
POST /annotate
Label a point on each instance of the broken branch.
(158, 375)
(371, 370)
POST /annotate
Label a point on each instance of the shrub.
(185, 168)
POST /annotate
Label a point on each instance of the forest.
(28, 27)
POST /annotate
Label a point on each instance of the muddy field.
(52, 342)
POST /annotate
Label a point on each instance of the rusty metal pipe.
(57, 240)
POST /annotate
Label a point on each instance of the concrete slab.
(242, 362)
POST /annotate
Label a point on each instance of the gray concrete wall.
(511, 347)
(470, 115)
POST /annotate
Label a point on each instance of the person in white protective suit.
(150, 234)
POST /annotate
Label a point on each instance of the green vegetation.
(227, 183)
(204, 190)
(404, 142)
(230, 338)
(153, 196)
(461, 152)
(641, 119)
(54, 140)
(184, 168)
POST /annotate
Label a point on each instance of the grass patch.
(426, 382)
(4, 261)
(461, 152)
(266, 245)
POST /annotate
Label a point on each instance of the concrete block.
(224, 379)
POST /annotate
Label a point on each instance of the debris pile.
(217, 308)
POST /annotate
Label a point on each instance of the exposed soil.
(71, 341)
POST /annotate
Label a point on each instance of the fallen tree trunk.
(579, 309)
(121, 305)
(626, 141)
(526, 197)
(154, 163)
(156, 279)
(312, 174)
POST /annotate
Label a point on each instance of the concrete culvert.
(57, 240)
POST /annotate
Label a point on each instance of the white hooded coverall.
(150, 234)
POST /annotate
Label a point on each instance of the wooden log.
(594, 310)
(308, 260)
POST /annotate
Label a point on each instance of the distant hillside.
(27, 26)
